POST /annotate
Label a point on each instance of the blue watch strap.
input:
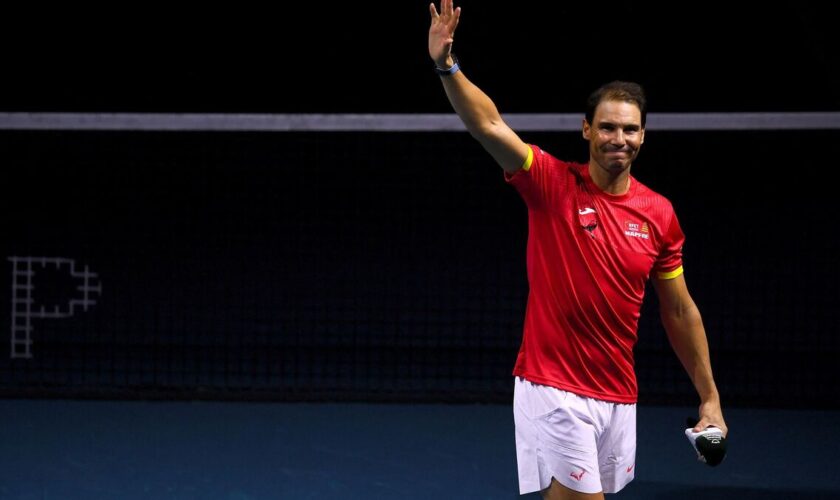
(451, 70)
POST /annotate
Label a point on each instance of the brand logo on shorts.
(579, 475)
(630, 469)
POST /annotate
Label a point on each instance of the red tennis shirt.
(589, 256)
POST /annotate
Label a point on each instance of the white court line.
(238, 122)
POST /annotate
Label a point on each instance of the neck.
(610, 182)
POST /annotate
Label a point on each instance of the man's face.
(615, 135)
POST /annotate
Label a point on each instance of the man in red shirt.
(596, 235)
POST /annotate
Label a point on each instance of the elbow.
(486, 129)
(678, 310)
(680, 318)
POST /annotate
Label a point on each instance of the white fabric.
(586, 444)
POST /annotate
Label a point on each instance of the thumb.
(696, 425)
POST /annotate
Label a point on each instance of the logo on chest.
(588, 219)
(636, 230)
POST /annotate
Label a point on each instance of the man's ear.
(585, 129)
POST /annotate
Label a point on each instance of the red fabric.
(589, 256)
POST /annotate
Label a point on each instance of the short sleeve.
(542, 181)
(669, 263)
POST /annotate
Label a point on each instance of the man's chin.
(618, 166)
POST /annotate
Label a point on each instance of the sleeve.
(669, 263)
(532, 180)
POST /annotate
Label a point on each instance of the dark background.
(349, 57)
(390, 266)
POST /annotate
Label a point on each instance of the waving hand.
(442, 31)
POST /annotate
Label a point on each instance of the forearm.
(484, 123)
(476, 110)
(688, 339)
(684, 326)
(473, 106)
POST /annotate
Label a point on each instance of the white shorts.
(586, 444)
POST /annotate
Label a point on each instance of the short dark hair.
(617, 91)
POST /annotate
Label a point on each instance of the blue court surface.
(62, 449)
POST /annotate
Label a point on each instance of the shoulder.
(657, 205)
(546, 177)
(550, 163)
(651, 197)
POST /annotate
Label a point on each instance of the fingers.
(455, 18)
(707, 422)
(710, 415)
(447, 15)
(447, 10)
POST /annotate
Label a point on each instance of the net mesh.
(376, 266)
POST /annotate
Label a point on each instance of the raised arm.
(473, 106)
(684, 326)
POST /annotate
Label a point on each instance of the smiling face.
(615, 136)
